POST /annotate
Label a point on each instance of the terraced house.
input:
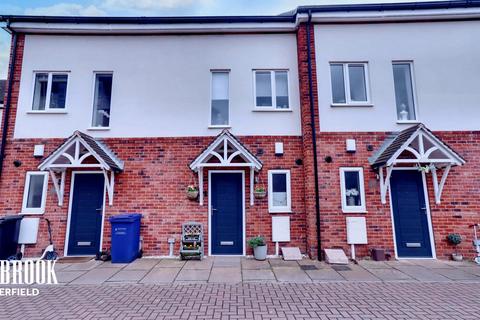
(338, 112)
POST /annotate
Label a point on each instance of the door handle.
(213, 210)
(99, 209)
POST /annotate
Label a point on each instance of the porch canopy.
(416, 146)
(81, 151)
(223, 152)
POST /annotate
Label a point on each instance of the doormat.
(74, 259)
(308, 267)
(341, 268)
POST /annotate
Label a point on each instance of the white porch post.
(384, 183)
(59, 189)
(252, 176)
(200, 185)
(438, 188)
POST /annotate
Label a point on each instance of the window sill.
(280, 211)
(31, 213)
(219, 127)
(98, 128)
(407, 121)
(355, 211)
(351, 105)
(269, 109)
(47, 112)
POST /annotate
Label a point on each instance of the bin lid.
(126, 217)
(11, 217)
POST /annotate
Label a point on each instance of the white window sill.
(363, 211)
(30, 213)
(351, 105)
(98, 128)
(47, 112)
(270, 109)
(407, 121)
(280, 211)
(219, 127)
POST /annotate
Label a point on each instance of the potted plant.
(455, 239)
(192, 192)
(259, 192)
(259, 247)
(351, 194)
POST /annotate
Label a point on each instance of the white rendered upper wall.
(161, 84)
(446, 72)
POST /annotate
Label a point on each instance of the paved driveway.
(236, 270)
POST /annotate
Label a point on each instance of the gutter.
(314, 138)
(8, 101)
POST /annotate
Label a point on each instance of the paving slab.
(128, 276)
(170, 263)
(193, 275)
(95, 276)
(255, 264)
(199, 264)
(68, 276)
(318, 264)
(390, 274)
(357, 273)
(283, 263)
(257, 275)
(431, 264)
(142, 264)
(324, 274)
(109, 264)
(421, 274)
(227, 262)
(161, 275)
(225, 275)
(289, 274)
(370, 264)
(61, 266)
(473, 270)
(84, 266)
(457, 274)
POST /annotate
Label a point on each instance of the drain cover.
(341, 268)
(308, 267)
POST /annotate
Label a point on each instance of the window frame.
(216, 126)
(92, 128)
(49, 92)
(26, 188)
(273, 87)
(346, 83)
(345, 207)
(414, 92)
(271, 207)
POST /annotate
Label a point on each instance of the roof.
(3, 88)
(397, 142)
(98, 149)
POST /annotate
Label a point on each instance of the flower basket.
(259, 192)
(192, 192)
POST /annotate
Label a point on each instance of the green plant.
(259, 189)
(454, 239)
(191, 188)
(256, 241)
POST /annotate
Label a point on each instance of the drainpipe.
(8, 102)
(314, 137)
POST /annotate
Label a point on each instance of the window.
(219, 112)
(35, 193)
(349, 83)
(50, 91)
(352, 189)
(279, 195)
(404, 97)
(102, 99)
(271, 89)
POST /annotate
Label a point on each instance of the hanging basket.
(192, 192)
(260, 194)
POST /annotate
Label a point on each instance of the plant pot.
(351, 201)
(457, 257)
(260, 252)
(192, 195)
(259, 194)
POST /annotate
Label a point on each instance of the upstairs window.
(352, 189)
(271, 89)
(220, 108)
(102, 99)
(279, 193)
(50, 91)
(349, 84)
(35, 192)
(404, 96)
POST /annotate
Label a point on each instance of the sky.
(149, 8)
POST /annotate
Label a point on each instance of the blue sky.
(149, 8)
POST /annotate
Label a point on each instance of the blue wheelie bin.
(125, 237)
(9, 231)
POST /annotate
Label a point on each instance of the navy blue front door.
(86, 214)
(410, 214)
(226, 213)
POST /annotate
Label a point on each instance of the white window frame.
(271, 207)
(40, 210)
(49, 92)
(346, 83)
(273, 84)
(215, 126)
(92, 128)
(414, 92)
(345, 207)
